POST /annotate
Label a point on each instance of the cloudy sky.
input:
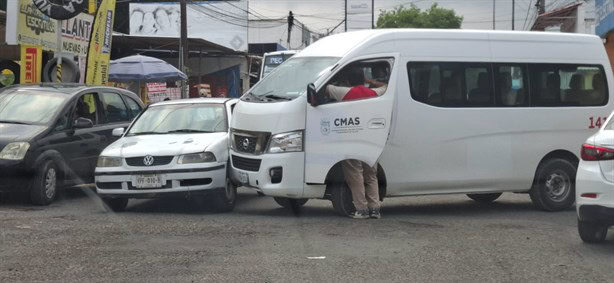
(320, 15)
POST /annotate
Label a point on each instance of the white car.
(595, 185)
(173, 148)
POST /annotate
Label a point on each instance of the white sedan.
(175, 147)
(595, 185)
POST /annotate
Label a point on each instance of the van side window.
(467, 84)
(510, 86)
(427, 85)
(358, 80)
(568, 85)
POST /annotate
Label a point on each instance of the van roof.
(340, 44)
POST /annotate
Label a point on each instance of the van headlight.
(14, 151)
(106, 161)
(286, 142)
(201, 157)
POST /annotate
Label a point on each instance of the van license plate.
(147, 181)
(243, 178)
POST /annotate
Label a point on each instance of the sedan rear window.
(29, 107)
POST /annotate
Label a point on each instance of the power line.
(527, 16)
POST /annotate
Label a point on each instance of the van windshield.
(290, 79)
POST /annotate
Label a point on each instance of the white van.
(271, 60)
(464, 112)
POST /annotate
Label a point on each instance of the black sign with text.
(61, 9)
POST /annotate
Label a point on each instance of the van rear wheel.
(341, 197)
(484, 198)
(554, 188)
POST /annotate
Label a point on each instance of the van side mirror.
(82, 123)
(311, 95)
(117, 132)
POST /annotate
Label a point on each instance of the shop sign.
(61, 9)
(31, 61)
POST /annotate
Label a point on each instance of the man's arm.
(337, 92)
(375, 83)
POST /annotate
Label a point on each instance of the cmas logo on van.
(342, 122)
(346, 125)
(325, 126)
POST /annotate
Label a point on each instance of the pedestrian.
(360, 177)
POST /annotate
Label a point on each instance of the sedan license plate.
(147, 181)
(243, 178)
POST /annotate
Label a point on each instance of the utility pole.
(290, 25)
(513, 11)
(541, 7)
(493, 15)
(372, 14)
(345, 12)
(184, 51)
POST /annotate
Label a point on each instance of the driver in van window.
(356, 89)
(360, 177)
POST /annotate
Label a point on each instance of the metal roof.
(555, 17)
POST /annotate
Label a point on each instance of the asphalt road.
(421, 239)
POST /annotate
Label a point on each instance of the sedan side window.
(115, 110)
(87, 108)
(133, 107)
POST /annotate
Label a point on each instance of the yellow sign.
(31, 61)
(99, 51)
(35, 28)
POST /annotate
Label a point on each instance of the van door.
(352, 129)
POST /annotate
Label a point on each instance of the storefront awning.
(135, 44)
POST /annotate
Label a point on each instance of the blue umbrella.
(143, 69)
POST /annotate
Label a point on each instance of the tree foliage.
(414, 17)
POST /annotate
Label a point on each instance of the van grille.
(245, 144)
(247, 164)
(250, 142)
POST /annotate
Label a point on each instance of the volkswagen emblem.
(245, 143)
(148, 160)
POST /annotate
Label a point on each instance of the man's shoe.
(360, 214)
(374, 214)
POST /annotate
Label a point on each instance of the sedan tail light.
(596, 153)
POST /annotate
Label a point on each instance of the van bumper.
(289, 165)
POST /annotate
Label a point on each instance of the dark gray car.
(51, 134)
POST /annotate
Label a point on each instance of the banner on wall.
(31, 61)
(163, 20)
(99, 50)
(36, 28)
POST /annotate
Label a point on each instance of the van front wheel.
(341, 197)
